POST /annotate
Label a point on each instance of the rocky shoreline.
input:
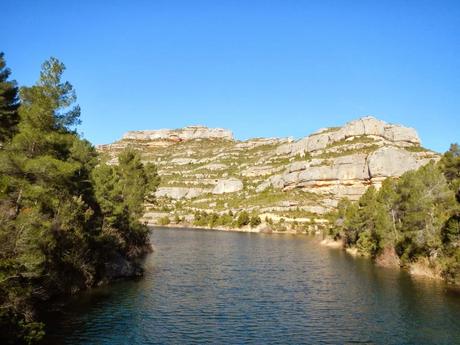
(389, 259)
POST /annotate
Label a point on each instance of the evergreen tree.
(416, 215)
(243, 219)
(387, 196)
(374, 223)
(255, 221)
(450, 165)
(9, 103)
(44, 179)
(62, 219)
(121, 191)
(425, 203)
(341, 222)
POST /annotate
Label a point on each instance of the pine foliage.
(417, 215)
(65, 216)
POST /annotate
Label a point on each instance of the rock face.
(349, 175)
(366, 126)
(230, 185)
(205, 169)
(187, 133)
(180, 192)
(120, 267)
(393, 161)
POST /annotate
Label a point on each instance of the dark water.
(217, 287)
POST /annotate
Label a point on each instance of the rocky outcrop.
(120, 267)
(214, 166)
(260, 171)
(366, 126)
(203, 169)
(187, 133)
(392, 161)
(230, 185)
(183, 161)
(349, 175)
(180, 192)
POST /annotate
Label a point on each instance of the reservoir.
(215, 287)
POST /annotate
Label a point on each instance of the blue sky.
(259, 68)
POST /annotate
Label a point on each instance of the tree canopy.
(417, 215)
(65, 215)
(9, 103)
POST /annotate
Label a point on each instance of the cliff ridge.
(206, 169)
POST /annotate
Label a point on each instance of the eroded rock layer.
(206, 169)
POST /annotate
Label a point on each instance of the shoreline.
(246, 228)
(418, 270)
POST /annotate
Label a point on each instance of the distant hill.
(206, 169)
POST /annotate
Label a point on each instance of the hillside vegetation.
(209, 178)
(413, 221)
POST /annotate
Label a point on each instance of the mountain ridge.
(207, 170)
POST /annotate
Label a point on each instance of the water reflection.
(215, 287)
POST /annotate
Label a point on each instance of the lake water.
(213, 287)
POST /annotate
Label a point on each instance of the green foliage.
(416, 149)
(348, 151)
(327, 130)
(9, 103)
(243, 219)
(450, 233)
(450, 164)
(213, 219)
(121, 191)
(364, 139)
(164, 220)
(254, 221)
(177, 219)
(202, 218)
(417, 215)
(63, 214)
(345, 222)
(424, 204)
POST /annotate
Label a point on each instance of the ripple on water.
(205, 287)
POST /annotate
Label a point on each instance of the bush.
(164, 220)
(177, 219)
(212, 219)
(200, 219)
(254, 221)
(225, 220)
(243, 219)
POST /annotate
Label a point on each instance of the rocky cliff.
(187, 133)
(206, 169)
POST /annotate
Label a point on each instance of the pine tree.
(46, 228)
(374, 223)
(9, 103)
(121, 191)
(64, 216)
(450, 165)
(425, 202)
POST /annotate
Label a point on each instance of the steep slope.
(205, 169)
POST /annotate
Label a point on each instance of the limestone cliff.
(187, 133)
(206, 169)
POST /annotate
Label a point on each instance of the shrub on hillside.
(243, 219)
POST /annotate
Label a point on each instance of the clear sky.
(259, 68)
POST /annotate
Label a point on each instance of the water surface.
(212, 287)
